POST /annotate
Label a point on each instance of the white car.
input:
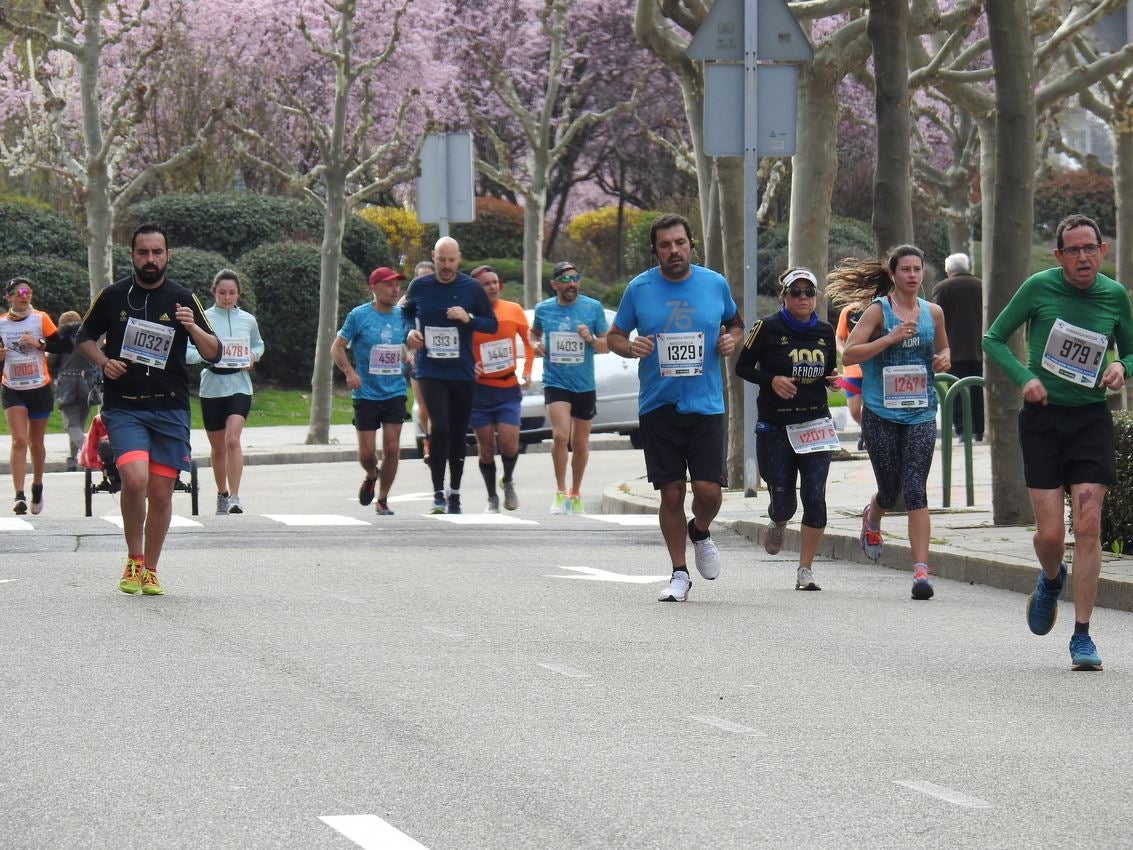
(617, 388)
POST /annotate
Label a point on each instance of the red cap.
(383, 274)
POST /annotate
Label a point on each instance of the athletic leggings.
(901, 456)
(450, 405)
(780, 467)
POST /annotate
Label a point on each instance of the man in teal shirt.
(1071, 314)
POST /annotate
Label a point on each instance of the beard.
(149, 274)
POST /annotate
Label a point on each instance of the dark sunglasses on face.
(799, 292)
(570, 278)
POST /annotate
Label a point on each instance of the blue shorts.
(38, 401)
(495, 406)
(162, 436)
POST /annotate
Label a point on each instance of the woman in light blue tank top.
(900, 343)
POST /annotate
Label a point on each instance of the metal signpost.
(750, 111)
(445, 189)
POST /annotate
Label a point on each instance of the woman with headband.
(791, 355)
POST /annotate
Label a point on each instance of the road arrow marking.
(370, 832)
(948, 795)
(594, 574)
(482, 519)
(175, 521)
(15, 524)
(315, 519)
(640, 520)
(6, 580)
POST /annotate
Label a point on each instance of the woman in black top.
(791, 355)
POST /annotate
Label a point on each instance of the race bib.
(23, 372)
(385, 360)
(566, 347)
(147, 343)
(817, 435)
(680, 355)
(442, 343)
(1074, 354)
(236, 353)
(905, 386)
(498, 355)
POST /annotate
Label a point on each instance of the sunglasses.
(570, 278)
(800, 292)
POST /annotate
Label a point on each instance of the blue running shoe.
(1042, 605)
(438, 503)
(1083, 653)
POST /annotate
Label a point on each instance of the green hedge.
(496, 232)
(1068, 192)
(195, 269)
(1117, 510)
(232, 224)
(57, 285)
(288, 319)
(26, 229)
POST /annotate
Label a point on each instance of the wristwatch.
(42, 344)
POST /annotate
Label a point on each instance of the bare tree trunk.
(892, 180)
(1122, 126)
(533, 249)
(730, 185)
(1013, 222)
(330, 259)
(815, 168)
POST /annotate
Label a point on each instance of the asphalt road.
(414, 681)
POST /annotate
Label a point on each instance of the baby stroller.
(96, 456)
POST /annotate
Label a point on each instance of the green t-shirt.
(1103, 308)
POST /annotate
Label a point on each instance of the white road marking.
(175, 521)
(315, 519)
(370, 832)
(595, 574)
(728, 726)
(640, 520)
(411, 497)
(948, 795)
(12, 523)
(565, 670)
(6, 580)
(444, 632)
(482, 519)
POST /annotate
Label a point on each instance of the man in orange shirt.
(495, 406)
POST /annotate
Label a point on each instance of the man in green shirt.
(1071, 314)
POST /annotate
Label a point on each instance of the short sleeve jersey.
(653, 304)
(552, 319)
(375, 340)
(499, 352)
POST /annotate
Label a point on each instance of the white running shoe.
(221, 504)
(677, 589)
(804, 580)
(493, 505)
(707, 558)
(234, 505)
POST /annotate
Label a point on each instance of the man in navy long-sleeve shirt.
(441, 311)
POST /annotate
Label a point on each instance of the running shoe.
(575, 506)
(438, 503)
(1042, 605)
(222, 504)
(36, 498)
(131, 577)
(677, 589)
(382, 508)
(1083, 653)
(511, 500)
(150, 585)
(493, 505)
(922, 589)
(454, 503)
(773, 537)
(707, 558)
(234, 506)
(870, 540)
(21, 506)
(804, 580)
(366, 491)
(559, 506)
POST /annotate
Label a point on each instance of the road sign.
(721, 33)
(445, 189)
(777, 90)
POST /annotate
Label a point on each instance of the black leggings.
(450, 405)
(901, 456)
(780, 467)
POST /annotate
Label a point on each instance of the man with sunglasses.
(566, 332)
(1065, 428)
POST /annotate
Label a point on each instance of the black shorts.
(38, 401)
(1067, 445)
(369, 415)
(215, 411)
(674, 442)
(582, 405)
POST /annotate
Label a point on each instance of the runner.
(851, 380)
(495, 406)
(28, 399)
(1065, 428)
(900, 342)
(685, 320)
(795, 353)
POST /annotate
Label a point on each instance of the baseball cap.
(558, 268)
(383, 274)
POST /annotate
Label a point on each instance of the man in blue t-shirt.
(685, 320)
(566, 332)
(374, 333)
